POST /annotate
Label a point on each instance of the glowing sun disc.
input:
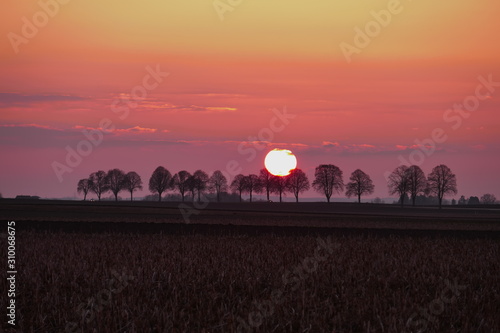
(280, 162)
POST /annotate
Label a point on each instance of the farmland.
(105, 267)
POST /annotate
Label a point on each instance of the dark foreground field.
(300, 269)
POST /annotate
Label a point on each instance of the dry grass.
(203, 283)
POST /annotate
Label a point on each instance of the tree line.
(328, 179)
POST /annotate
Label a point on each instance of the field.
(105, 267)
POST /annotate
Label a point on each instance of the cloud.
(31, 125)
(330, 144)
(11, 99)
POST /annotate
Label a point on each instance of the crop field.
(143, 277)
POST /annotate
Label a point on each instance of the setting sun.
(280, 162)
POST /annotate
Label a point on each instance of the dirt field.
(263, 267)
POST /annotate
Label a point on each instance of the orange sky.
(225, 77)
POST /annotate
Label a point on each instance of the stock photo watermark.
(454, 117)
(224, 6)
(277, 124)
(294, 278)
(94, 137)
(87, 310)
(30, 27)
(11, 272)
(420, 321)
(372, 29)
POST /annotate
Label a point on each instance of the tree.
(328, 179)
(251, 183)
(297, 183)
(279, 185)
(99, 183)
(360, 183)
(160, 181)
(417, 183)
(201, 181)
(191, 186)
(116, 181)
(488, 199)
(442, 181)
(266, 182)
(399, 183)
(84, 185)
(462, 201)
(181, 181)
(218, 183)
(132, 182)
(473, 201)
(238, 184)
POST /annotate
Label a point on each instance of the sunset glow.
(280, 162)
(185, 85)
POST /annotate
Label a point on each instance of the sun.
(280, 162)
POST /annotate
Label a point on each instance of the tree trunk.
(218, 196)
(240, 196)
(297, 197)
(85, 197)
(359, 198)
(413, 198)
(267, 194)
(327, 198)
(440, 202)
(250, 196)
(280, 197)
(182, 195)
(402, 199)
(159, 196)
(116, 196)
(131, 198)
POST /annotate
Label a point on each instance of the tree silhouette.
(266, 181)
(160, 181)
(200, 181)
(297, 183)
(132, 182)
(462, 201)
(360, 183)
(442, 181)
(99, 183)
(473, 201)
(279, 185)
(328, 179)
(252, 184)
(84, 185)
(181, 182)
(218, 183)
(399, 183)
(238, 184)
(116, 181)
(488, 199)
(417, 182)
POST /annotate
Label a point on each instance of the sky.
(215, 85)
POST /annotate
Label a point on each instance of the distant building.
(28, 197)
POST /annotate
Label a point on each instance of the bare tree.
(399, 183)
(181, 181)
(297, 183)
(116, 181)
(160, 181)
(280, 184)
(417, 182)
(132, 182)
(266, 180)
(360, 184)
(218, 183)
(84, 186)
(191, 186)
(442, 181)
(238, 184)
(99, 183)
(488, 199)
(328, 179)
(201, 181)
(252, 184)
